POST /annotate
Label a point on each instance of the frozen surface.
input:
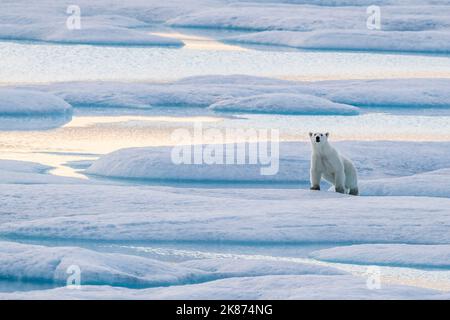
(411, 28)
(22, 166)
(372, 160)
(401, 93)
(251, 288)
(397, 41)
(404, 222)
(275, 16)
(105, 22)
(228, 268)
(284, 104)
(31, 103)
(52, 264)
(389, 254)
(242, 93)
(433, 184)
(177, 214)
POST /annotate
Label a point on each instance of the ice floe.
(372, 160)
(428, 184)
(285, 104)
(102, 23)
(24, 172)
(406, 26)
(244, 94)
(389, 254)
(51, 264)
(283, 215)
(31, 103)
(396, 41)
(250, 288)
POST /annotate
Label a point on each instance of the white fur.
(327, 163)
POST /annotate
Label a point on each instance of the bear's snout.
(317, 139)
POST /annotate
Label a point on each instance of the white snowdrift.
(23, 166)
(284, 104)
(26, 102)
(389, 93)
(103, 23)
(372, 160)
(107, 35)
(192, 91)
(234, 215)
(232, 267)
(406, 41)
(226, 90)
(389, 254)
(341, 26)
(50, 264)
(107, 22)
(157, 164)
(250, 288)
(30, 123)
(335, 16)
(428, 184)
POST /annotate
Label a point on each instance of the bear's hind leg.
(339, 182)
(354, 191)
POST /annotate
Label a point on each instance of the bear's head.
(318, 138)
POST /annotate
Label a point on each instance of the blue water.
(40, 63)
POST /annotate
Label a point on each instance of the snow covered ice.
(22, 102)
(87, 175)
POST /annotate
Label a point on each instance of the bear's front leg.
(315, 179)
(340, 181)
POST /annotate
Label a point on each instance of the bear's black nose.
(317, 139)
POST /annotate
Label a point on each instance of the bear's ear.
(327, 134)
(310, 134)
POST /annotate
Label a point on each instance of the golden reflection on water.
(88, 137)
(85, 138)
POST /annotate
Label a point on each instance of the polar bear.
(326, 162)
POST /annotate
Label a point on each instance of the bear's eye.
(321, 135)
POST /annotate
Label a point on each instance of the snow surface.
(405, 222)
(23, 166)
(251, 288)
(151, 214)
(104, 22)
(285, 104)
(433, 184)
(430, 41)
(23, 172)
(275, 16)
(50, 264)
(389, 254)
(406, 25)
(372, 160)
(389, 93)
(232, 267)
(25, 102)
(411, 28)
(96, 212)
(253, 93)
